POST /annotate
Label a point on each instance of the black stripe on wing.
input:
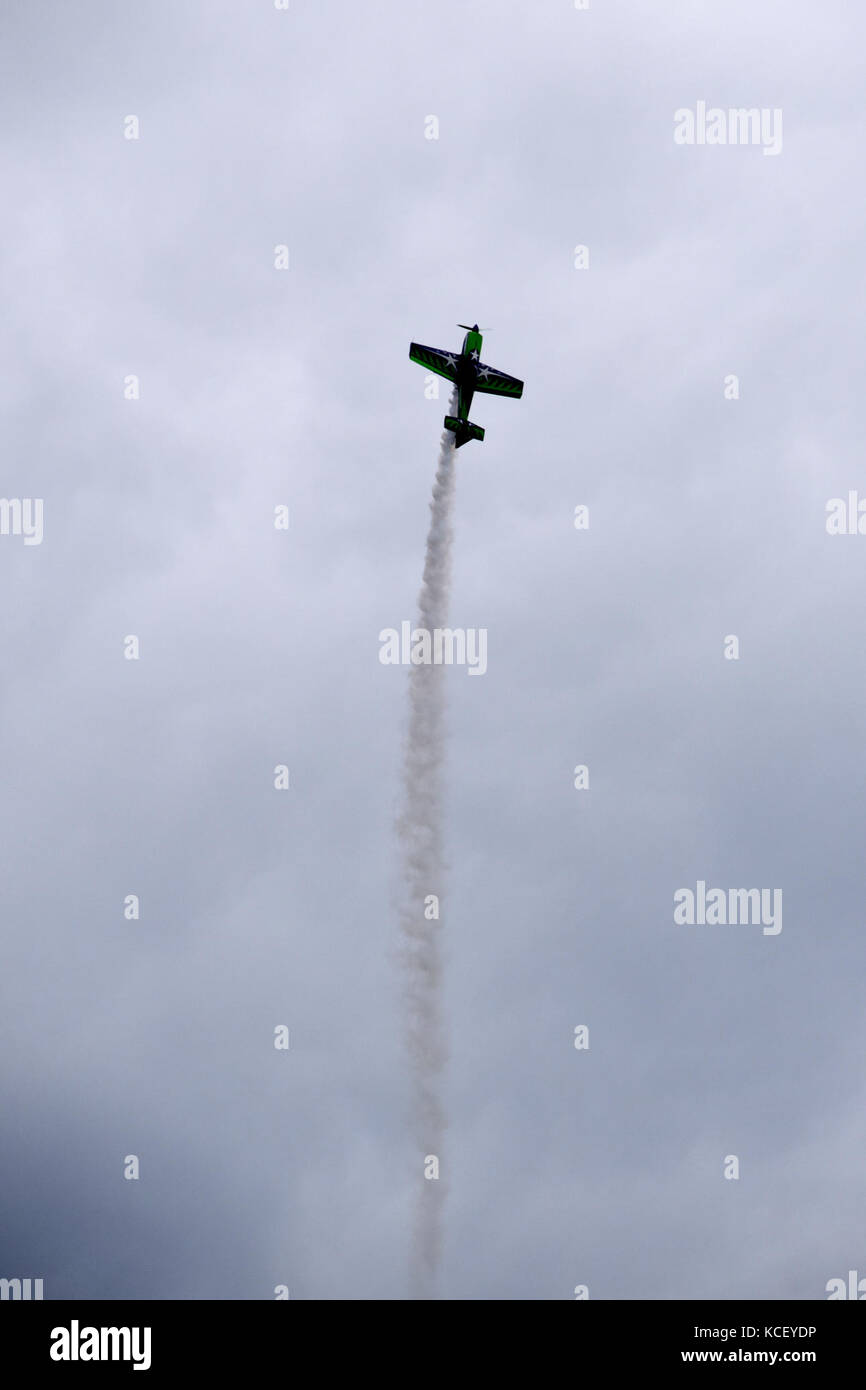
(493, 383)
(443, 363)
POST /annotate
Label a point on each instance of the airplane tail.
(464, 430)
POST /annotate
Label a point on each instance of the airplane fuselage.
(467, 372)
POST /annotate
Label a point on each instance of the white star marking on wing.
(485, 371)
(452, 361)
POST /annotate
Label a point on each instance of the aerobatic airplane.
(469, 374)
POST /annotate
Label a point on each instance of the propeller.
(473, 328)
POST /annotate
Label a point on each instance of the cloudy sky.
(154, 258)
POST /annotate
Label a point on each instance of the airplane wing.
(435, 360)
(493, 383)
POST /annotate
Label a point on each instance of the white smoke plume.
(420, 829)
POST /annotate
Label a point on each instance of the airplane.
(469, 374)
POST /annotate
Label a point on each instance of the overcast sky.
(154, 257)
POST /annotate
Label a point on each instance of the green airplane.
(469, 374)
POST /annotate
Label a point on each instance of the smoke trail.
(420, 829)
